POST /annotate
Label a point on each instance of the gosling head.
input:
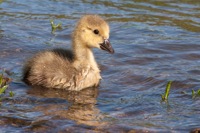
(93, 32)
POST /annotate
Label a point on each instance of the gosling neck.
(83, 55)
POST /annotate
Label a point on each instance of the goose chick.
(71, 70)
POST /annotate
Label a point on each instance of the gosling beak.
(107, 46)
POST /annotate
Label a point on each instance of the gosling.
(71, 70)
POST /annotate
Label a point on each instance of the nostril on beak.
(107, 46)
(106, 41)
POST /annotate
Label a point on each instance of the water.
(154, 41)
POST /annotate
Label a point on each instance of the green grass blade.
(3, 89)
(167, 90)
(11, 94)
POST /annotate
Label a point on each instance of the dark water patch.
(191, 56)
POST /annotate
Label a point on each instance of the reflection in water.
(81, 106)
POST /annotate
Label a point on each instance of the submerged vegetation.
(54, 27)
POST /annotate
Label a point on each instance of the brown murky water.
(155, 41)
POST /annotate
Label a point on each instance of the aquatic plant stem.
(167, 89)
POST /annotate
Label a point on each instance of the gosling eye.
(96, 31)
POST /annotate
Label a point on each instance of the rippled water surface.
(154, 42)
